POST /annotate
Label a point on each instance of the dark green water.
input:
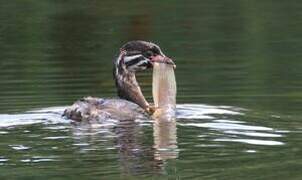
(239, 74)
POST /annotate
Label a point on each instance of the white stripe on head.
(118, 62)
(130, 58)
(138, 64)
(142, 62)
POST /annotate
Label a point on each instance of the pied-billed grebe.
(134, 56)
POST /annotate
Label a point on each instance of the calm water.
(239, 89)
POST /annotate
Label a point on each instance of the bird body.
(92, 108)
(134, 56)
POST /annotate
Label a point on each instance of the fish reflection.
(165, 139)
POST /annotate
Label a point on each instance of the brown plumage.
(134, 56)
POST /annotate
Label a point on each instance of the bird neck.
(127, 86)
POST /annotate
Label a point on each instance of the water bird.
(134, 56)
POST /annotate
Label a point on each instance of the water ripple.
(51, 115)
(228, 126)
(197, 130)
(228, 130)
(201, 111)
(19, 147)
(38, 159)
(253, 133)
(56, 137)
(251, 141)
(2, 159)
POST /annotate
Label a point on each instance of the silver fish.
(164, 90)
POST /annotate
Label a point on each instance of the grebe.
(134, 56)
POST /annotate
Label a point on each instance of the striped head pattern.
(137, 56)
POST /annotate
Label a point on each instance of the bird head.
(140, 55)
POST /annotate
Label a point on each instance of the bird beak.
(163, 59)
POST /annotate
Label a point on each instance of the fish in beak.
(162, 59)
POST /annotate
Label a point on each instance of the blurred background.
(241, 53)
(230, 54)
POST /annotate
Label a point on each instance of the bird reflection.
(131, 140)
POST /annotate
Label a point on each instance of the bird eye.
(148, 53)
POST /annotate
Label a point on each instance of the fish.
(164, 90)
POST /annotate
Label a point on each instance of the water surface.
(239, 90)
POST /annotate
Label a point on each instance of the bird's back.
(90, 108)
